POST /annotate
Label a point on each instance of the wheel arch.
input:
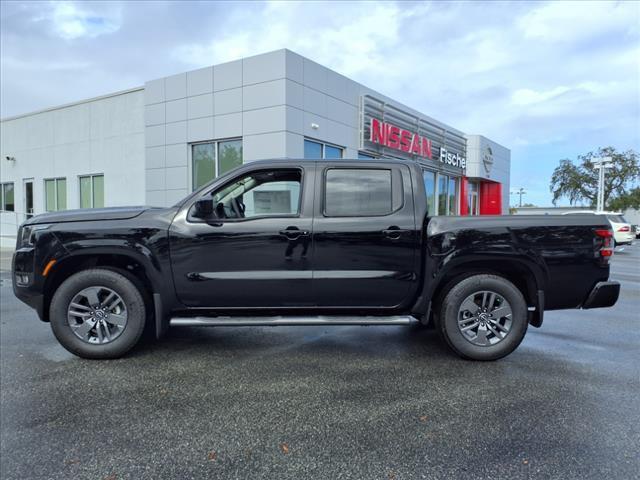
(129, 263)
(525, 275)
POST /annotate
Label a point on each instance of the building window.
(452, 204)
(317, 150)
(358, 192)
(55, 198)
(365, 156)
(212, 159)
(447, 195)
(7, 197)
(92, 191)
(429, 179)
(443, 194)
(473, 205)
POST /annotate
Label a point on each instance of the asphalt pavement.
(327, 402)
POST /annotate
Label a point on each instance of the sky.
(549, 80)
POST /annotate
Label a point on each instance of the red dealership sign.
(391, 136)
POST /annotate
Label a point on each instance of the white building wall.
(104, 135)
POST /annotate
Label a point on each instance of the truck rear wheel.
(484, 317)
(97, 313)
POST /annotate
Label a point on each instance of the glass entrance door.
(28, 198)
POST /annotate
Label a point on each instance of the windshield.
(616, 219)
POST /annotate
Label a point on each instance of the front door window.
(269, 193)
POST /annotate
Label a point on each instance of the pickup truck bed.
(308, 242)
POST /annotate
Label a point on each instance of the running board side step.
(289, 320)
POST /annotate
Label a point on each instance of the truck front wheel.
(97, 313)
(484, 317)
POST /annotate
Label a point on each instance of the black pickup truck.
(300, 242)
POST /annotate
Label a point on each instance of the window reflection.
(358, 192)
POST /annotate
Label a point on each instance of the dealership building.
(156, 143)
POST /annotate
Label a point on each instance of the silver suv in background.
(623, 234)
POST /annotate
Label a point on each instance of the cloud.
(526, 96)
(309, 28)
(571, 21)
(72, 20)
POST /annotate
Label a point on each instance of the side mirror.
(203, 208)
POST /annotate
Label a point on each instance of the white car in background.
(622, 231)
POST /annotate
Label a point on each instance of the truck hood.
(88, 214)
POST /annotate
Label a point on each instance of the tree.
(623, 202)
(580, 182)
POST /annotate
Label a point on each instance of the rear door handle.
(394, 233)
(294, 232)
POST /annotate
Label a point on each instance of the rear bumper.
(624, 238)
(604, 294)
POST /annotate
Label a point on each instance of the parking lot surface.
(327, 402)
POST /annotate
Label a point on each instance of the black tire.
(119, 283)
(447, 320)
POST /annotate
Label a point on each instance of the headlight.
(27, 234)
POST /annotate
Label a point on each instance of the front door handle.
(292, 233)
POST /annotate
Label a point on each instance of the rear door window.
(361, 192)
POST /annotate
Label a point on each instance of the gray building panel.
(264, 95)
(200, 81)
(154, 114)
(264, 68)
(155, 157)
(227, 75)
(175, 87)
(200, 129)
(227, 101)
(176, 110)
(227, 126)
(175, 133)
(176, 155)
(199, 106)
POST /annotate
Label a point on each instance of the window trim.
(216, 169)
(392, 170)
(55, 183)
(91, 176)
(2, 196)
(209, 192)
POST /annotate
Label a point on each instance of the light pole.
(601, 164)
(521, 191)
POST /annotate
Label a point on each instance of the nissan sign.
(397, 138)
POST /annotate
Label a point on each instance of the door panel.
(366, 261)
(247, 263)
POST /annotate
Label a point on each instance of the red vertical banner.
(464, 202)
(490, 198)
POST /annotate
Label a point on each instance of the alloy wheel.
(485, 318)
(97, 315)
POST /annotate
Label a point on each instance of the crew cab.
(302, 242)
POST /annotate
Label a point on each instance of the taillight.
(606, 246)
(626, 228)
